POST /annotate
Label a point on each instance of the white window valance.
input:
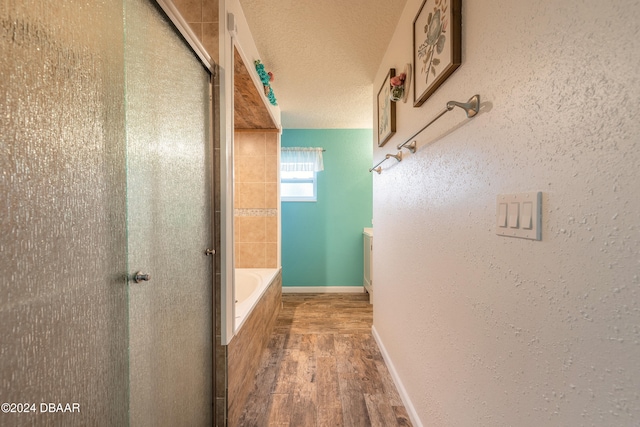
(301, 159)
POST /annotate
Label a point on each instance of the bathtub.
(259, 293)
(250, 284)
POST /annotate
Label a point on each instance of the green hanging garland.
(266, 79)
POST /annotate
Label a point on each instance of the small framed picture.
(437, 46)
(386, 110)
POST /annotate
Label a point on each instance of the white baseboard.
(396, 379)
(322, 289)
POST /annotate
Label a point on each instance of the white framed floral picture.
(386, 110)
(437, 46)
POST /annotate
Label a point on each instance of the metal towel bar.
(471, 107)
(378, 168)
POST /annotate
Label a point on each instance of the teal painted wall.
(322, 241)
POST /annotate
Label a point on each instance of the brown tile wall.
(202, 16)
(256, 199)
(220, 351)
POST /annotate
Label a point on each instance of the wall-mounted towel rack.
(471, 107)
(378, 168)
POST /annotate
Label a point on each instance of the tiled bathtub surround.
(256, 199)
(202, 17)
(245, 350)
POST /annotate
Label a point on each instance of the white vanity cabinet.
(367, 280)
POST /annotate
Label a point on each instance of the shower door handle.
(141, 277)
(208, 252)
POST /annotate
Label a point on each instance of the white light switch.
(525, 217)
(502, 215)
(519, 215)
(514, 214)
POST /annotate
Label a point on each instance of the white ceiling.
(324, 55)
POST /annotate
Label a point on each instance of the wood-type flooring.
(323, 368)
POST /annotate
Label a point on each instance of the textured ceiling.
(324, 55)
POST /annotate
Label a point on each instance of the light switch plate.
(527, 208)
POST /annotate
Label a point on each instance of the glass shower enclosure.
(106, 178)
(169, 197)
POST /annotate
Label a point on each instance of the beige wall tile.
(196, 27)
(236, 195)
(249, 195)
(250, 144)
(271, 168)
(250, 169)
(271, 255)
(210, 10)
(202, 16)
(252, 255)
(271, 195)
(252, 229)
(256, 186)
(237, 141)
(271, 141)
(210, 39)
(271, 229)
(236, 159)
(191, 10)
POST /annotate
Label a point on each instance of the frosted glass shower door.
(168, 223)
(63, 297)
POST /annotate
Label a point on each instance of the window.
(298, 172)
(298, 186)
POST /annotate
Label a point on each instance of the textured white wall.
(491, 331)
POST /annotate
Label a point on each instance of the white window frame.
(313, 180)
(300, 160)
